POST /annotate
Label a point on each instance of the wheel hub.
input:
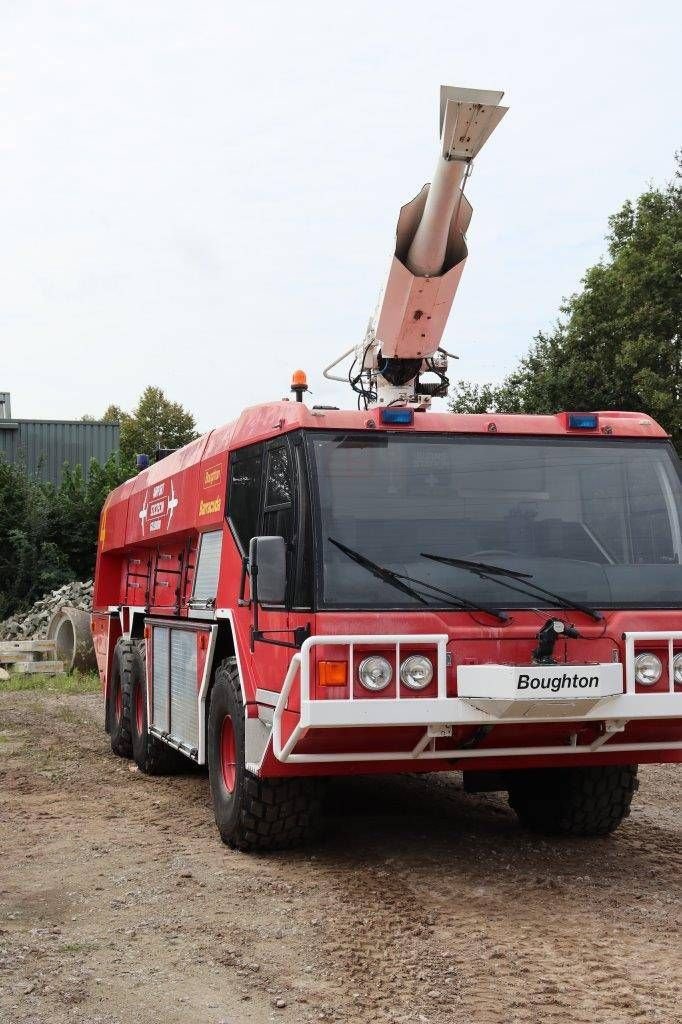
(228, 754)
(139, 708)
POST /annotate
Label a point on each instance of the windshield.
(596, 520)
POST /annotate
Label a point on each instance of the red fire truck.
(309, 592)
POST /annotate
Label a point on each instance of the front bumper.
(438, 716)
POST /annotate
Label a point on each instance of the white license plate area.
(540, 682)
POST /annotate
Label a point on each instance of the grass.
(78, 947)
(78, 682)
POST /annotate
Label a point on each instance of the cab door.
(268, 477)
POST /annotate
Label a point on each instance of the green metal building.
(43, 446)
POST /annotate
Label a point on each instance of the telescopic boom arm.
(403, 337)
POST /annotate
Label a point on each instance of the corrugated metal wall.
(43, 446)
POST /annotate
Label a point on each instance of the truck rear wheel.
(574, 801)
(118, 701)
(152, 756)
(251, 813)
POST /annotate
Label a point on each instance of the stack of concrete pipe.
(70, 630)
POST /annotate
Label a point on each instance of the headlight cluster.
(649, 668)
(416, 672)
(375, 672)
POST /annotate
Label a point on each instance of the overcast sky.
(203, 196)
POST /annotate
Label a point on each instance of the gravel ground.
(119, 904)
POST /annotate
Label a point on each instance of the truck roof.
(265, 419)
(261, 422)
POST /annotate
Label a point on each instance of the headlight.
(648, 669)
(416, 672)
(375, 673)
(677, 669)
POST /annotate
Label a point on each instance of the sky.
(203, 196)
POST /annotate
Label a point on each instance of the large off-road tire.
(251, 813)
(152, 756)
(574, 801)
(118, 700)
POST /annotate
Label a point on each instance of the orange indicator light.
(332, 673)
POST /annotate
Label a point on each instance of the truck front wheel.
(574, 801)
(251, 813)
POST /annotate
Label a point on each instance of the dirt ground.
(118, 903)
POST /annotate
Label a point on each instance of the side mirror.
(268, 565)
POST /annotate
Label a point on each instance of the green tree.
(76, 507)
(48, 535)
(618, 343)
(113, 414)
(30, 563)
(155, 423)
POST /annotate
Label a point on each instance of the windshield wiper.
(458, 600)
(397, 580)
(498, 574)
(380, 571)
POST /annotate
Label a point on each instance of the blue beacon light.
(397, 417)
(583, 421)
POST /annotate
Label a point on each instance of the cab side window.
(243, 507)
(278, 511)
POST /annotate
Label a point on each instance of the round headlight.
(677, 669)
(416, 672)
(648, 669)
(375, 673)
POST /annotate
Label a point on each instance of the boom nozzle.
(468, 118)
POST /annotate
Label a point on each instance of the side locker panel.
(161, 678)
(177, 664)
(167, 577)
(136, 571)
(184, 708)
(206, 575)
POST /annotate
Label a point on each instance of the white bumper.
(438, 715)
